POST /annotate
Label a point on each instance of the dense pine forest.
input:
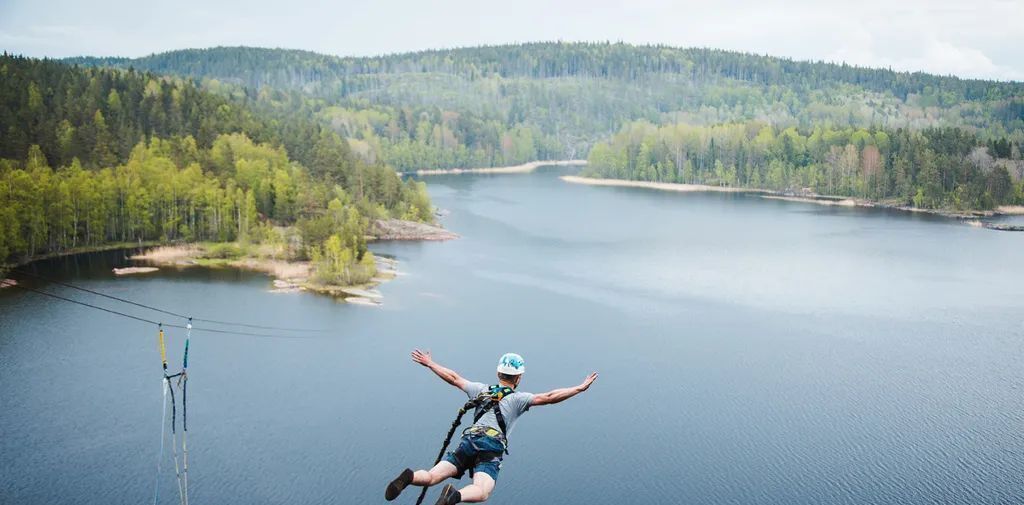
(498, 105)
(98, 156)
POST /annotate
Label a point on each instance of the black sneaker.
(396, 486)
(449, 496)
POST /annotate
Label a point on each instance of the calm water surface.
(751, 352)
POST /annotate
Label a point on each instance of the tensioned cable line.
(162, 311)
(181, 473)
(149, 321)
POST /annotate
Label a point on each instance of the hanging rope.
(169, 390)
(183, 383)
(447, 440)
(163, 424)
(174, 447)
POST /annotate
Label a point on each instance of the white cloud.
(927, 40)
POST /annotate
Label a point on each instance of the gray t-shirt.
(512, 406)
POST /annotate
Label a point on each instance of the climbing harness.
(489, 399)
(180, 471)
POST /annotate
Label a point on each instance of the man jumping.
(484, 443)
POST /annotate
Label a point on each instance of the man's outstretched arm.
(559, 395)
(446, 374)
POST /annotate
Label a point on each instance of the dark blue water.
(750, 351)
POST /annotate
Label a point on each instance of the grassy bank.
(341, 265)
(350, 279)
(335, 277)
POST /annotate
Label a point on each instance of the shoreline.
(525, 168)
(661, 186)
(970, 217)
(288, 276)
(1010, 210)
(399, 230)
(116, 246)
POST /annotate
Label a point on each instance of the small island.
(295, 268)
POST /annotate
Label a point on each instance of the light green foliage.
(336, 263)
(227, 251)
(415, 205)
(151, 198)
(92, 156)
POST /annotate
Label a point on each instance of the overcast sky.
(971, 38)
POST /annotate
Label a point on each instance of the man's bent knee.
(440, 472)
(437, 476)
(479, 490)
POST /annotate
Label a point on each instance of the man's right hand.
(585, 385)
(445, 374)
(421, 357)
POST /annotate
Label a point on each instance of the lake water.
(750, 351)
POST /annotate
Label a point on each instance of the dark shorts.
(474, 448)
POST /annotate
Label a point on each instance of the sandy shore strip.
(372, 294)
(525, 168)
(963, 216)
(840, 202)
(134, 270)
(358, 300)
(967, 216)
(193, 255)
(289, 276)
(170, 254)
(661, 186)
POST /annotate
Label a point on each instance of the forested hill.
(257, 67)
(98, 115)
(508, 104)
(90, 157)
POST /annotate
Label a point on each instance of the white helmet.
(511, 364)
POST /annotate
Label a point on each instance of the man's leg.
(479, 490)
(440, 472)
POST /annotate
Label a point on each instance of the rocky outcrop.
(1004, 227)
(397, 229)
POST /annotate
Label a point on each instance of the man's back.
(512, 406)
